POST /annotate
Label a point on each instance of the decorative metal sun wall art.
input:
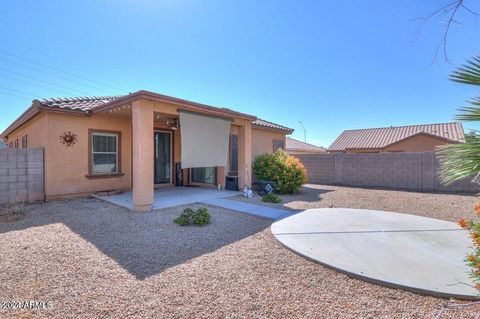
(68, 138)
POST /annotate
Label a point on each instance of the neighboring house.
(138, 141)
(2, 145)
(294, 146)
(413, 138)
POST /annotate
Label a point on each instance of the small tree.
(285, 170)
(463, 160)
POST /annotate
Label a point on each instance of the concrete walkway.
(177, 196)
(415, 253)
(252, 209)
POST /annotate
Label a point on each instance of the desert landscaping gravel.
(91, 259)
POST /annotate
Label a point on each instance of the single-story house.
(294, 147)
(412, 138)
(140, 141)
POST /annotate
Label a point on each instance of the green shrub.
(192, 217)
(286, 171)
(271, 198)
(201, 217)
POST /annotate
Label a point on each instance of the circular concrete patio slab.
(415, 253)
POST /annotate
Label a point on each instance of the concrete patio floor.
(177, 196)
(415, 253)
(171, 196)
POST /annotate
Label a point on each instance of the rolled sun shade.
(204, 140)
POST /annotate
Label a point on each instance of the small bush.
(286, 171)
(473, 259)
(192, 217)
(201, 217)
(271, 198)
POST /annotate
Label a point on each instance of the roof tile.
(376, 138)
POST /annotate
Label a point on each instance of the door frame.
(171, 133)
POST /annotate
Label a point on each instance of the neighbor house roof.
(266, 124)
(95, 104)
(296, 145)
(377, 138)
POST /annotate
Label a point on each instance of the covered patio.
(171, 196)
(171, 138)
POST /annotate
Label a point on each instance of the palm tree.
(458, 161)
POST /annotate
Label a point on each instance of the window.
(104, 149)
(24, 141)
(277, 144)
(16, 143)
(233, 153)
(203, 175)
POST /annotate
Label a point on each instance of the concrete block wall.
(21, 175)
(411, 171)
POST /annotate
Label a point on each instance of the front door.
(162, 153)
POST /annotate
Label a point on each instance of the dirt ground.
(91, 259)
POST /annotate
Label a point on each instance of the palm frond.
(458, 161)
(469, 113)
(468, 73)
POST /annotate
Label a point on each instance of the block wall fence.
(21, 175)
(408, 171)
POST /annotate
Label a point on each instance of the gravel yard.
(449, 207)
(94, 259)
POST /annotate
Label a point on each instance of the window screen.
(277, 144)
(104, 153)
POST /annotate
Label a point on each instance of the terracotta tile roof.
(78, 103)
(376, 138)
(296, 145)
(275, 126)
(97, 104)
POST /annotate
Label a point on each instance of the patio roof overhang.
(182, 105)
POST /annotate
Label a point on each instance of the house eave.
(182, 104)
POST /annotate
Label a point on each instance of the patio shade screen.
(204, 140)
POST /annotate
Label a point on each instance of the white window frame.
(93, 152)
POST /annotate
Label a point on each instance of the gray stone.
(35, 171)
(22, 164)
(8, 164)
(17, 171)
(8, 179)
(35, 164)
(17, 158)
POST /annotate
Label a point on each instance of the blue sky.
(333, 65)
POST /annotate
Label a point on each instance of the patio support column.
(245, 155)
(142, 155)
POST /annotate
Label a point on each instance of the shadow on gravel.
(144, 244)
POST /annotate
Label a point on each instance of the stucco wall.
(35, 129)
(66, 167)
(262, 141)
(418, 143)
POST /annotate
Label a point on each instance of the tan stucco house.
(411, 138)
(140, 141)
